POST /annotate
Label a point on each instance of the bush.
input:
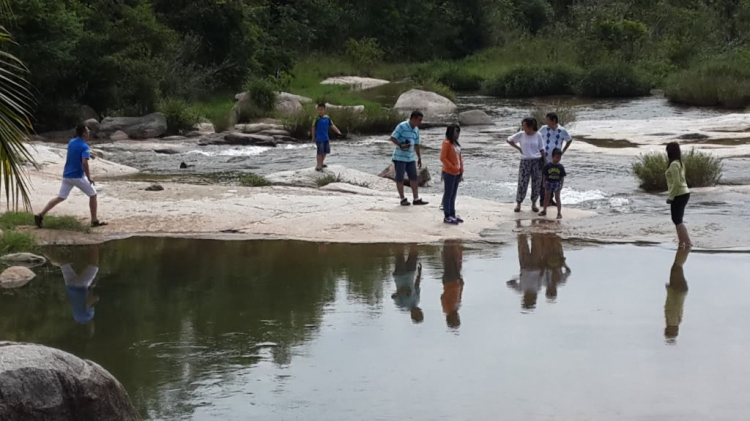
(371, 121)
(365, 52)
(17, 242)
(181, 116)
(716, 83)
(262, 94)
(565, 112)
(701, 170)
(612, 80)
(12, 220)
(460, 79)
(438, 88)
(254, 180)
(533, 80)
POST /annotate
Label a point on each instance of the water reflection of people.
(542, 265)
(80, 287)
(677, 290)
(408, 276)
(453, 283)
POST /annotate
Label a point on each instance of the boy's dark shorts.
(324, 148)
(410, 168)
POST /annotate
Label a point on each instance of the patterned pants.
(530, 169)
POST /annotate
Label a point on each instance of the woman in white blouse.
(531, 146)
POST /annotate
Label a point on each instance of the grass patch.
(612, 80)
(715, 83)
(13, 220)
(701, 170)
(371, 121)
(17, 242)
(181, 116)
(216, 109)
(459, 79)
(254, 180)
(565, 112)
(533, 80)
(328, 179)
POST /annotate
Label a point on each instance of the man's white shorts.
(83, 184)
(84, 280)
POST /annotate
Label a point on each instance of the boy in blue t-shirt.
(320, 128)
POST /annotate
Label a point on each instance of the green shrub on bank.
(533, 80)
(217, 110)
(716, 83)
(13, 220)
(701, 170)
(180, 115)
(612, 80)
(17, 242)
(370, 121)
(260, 101)
(460, 79)
(254, 180)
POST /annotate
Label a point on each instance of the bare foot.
(559, 216)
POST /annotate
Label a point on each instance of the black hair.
(81, 129)
(556, 152)
(416, 114)
(531, 122)
(322, 104)
(450, 134)
(553, 117)
(673, 152)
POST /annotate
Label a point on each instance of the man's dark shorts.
(324, 148)
(410, 168)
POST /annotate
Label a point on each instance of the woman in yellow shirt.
(679, 194)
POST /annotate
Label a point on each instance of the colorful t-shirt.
(554, 139)
(404, 134)
(322, 126)
(554, 172)
(78, 150)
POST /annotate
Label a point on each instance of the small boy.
(553, 176)
(320, 128)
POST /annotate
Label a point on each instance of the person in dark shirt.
(553, 175)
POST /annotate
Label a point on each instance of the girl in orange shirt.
(453, 172)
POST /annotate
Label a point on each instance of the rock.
(430, 103)
(274, 132)
(146, 127)
(240, 96)
(308, 178)
(356, 82)
(173, 138)
(86, 113)
(14, 277)
(350, 108)
(236, 159)
(287, 105)
(204, 128)
(93, 126)
(424, 175)
(475, 118)
(155, 187)
(194, 134)
(248, 139)
(257, 127)
(184, 166)
(281, 138)
(119, 135)
(301, 99)
(23, 259)
(59, 135)
(41, 383)
(97, 153)
(693, 136)
(166, 151)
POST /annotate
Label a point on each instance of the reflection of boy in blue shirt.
(321, 126)
(408, 275)
(80, 289)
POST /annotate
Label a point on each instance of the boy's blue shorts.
(553, 186)
(324, 148)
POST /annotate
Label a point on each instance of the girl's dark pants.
(451, 190)
(678, 208)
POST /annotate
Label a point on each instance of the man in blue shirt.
(76, 174)
(407, 156)
(321, 126)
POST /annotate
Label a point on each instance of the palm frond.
(15, 123)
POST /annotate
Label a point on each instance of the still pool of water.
(537, 330)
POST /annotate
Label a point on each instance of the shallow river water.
(540, 329)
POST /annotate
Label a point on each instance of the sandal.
(318, 169)
(534, 208)
(542, 213)
(39, 221)
(405, 202)
(97, 223)
(419, 202)
(517, 209)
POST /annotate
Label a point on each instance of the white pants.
(83, 184)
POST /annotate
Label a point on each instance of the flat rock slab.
(146, 127)
(40, 383)
(16, 277)
(356, 82)
(257, 127)
(28, 260)
(308, 177)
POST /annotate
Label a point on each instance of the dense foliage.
(701, 170)
(125, 56)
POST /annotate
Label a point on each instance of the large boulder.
(146, 127)
(93, 126)
(23, 259)
(119, 135)
(287, 105)
(356, 82)
(46, 384)
(257, 127)
(15, 277)
(242, 139)
(424, 175)
(355, 109)
(475, 118)
(204, 128)
(300, 98)
(87, 113)
(430, 103)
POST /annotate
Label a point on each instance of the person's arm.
(86, 171)
(672, 177)
(335, 129)
(540, 143)
(314, 127)
(568, 141)
(513, 141)
(418, 151)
